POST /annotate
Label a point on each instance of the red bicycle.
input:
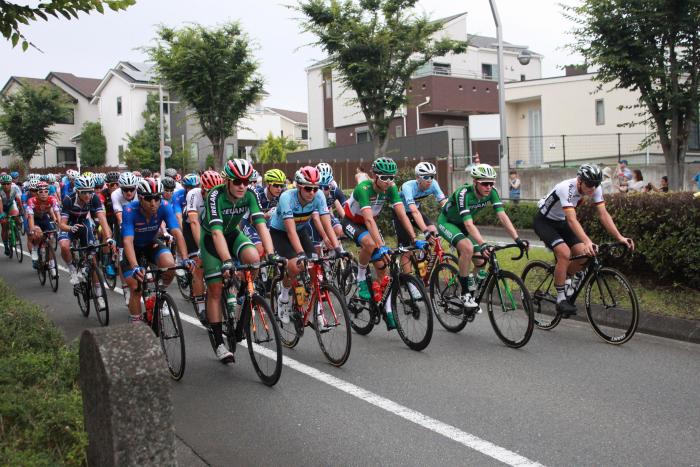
(424, 262)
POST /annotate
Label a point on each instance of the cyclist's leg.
(64, 239)
(458, 238)
(134, 304)
(163, 258)
(404, 239)
(552, 233)
(362, 238)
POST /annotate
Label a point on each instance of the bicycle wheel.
(414, 316)
(612, 306)
(42, 265)
(288, 332)
(538, 277)
(110, 281)
(183, 285)
(510, 309)
(19, 251)
(102, 313)
(172, 337)
(263, 338)
(444, 295)
(53, 270)
(335, 339)
(346, 276)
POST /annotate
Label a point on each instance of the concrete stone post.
(126, 398)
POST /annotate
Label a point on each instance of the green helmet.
(384, 166)
(481, 171)
(5, 178)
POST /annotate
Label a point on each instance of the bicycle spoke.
(611, 306)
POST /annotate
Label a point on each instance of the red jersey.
(39, 208)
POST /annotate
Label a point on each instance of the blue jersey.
(265, 200)
(134, 223)
(179, 201)
(77, 213)
(52, 190)
(412, 194)
(67, 188)
(290, 207)
(333, 195)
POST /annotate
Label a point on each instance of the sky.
(91, 45)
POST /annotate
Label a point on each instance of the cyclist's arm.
(507, 224)
(293, 236)
(102, 218)
(180, 241)
(220, 245)
(63, 224)
(609, 225)
(575, 225)
(330, 233)
(372, 226)
(473, 231)
(193, 217)
(129, 251)
(118, 216)
(30, 220)
(265, 238)
(417, 216)
(316, 219)
(339, 208)
(403, 218)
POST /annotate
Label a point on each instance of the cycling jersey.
(365, 197)
(67, 188)
(179, 201)
(75, 213)
(145, 231)
(290, 207)
(412, 194)
(38, 208)
(265, 199)
(333, 195)
(118, 200)
(224, 215)
(195, 203)
(8, 198)
(106, 198)
(565, 195)
(465, 202)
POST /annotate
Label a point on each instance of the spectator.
(360, 175)
(514, 182)
(663, 186)
(637, 184)
(696, 179)
(623, 173)
(607, 184)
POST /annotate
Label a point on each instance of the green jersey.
(364, 197)
(223, 215)
(464, 203)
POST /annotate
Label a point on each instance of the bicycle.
(424, 262)
(317, 304)
(14, 238)
(163, 317)
(507, 299)
(414, 319)
(107, 259)
(611, 304)
(255, 322)
(47, 264)
(86, 264)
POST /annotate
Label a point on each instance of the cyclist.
(67, 183)
(334, 200)
(225, 206)
(172, 173)
(141, 223)
(112, 184)
(268, 198)
(125, 194)
(11, 197)
(456, 225)
(557, 226)
(288, 228)
(42, 214)
(365, 203)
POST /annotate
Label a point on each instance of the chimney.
(573, 70)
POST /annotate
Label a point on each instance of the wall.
(318, 137)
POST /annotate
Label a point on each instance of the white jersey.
(565, 195)
(118, 200)
(195, 202)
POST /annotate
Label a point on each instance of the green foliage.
(376, 45)
(11, 15)
(93, 145)
(41, 412)
(213, 71)
(520, 214)
(651, 47)
(181, 160)
(275, 149)
(27, 115)
(143, 150)
(210, 162)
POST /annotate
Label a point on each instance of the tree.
(213, 72)
(275, 149)
(12, 15)
(143, 148)
(652, 47)
(181, 160)
(376, 45)
(27, 116)
(93, 145)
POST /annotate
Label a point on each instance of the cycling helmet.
(127, 179)
(14, 175)
(426, 168)
(384, 166)
(83, 183)
(483, 171)
(98, 180)
(5, 179)
(172, 173)
(146, 173)
(191, 180)
(210, 179)
(326, 179)
(237, 169)
(33, 184)
(168, 183)
(43, 178)
(590, 174)
(42, 186)
(51, 178)
(149, 186)
(324, 169)
(307, 176)
(87, 174)
(71, 174)
(275, 176)
(255, 176)
(112, 177)
(34, 176)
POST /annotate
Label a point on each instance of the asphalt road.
(566, 398)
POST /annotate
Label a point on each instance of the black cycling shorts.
(283, 246)
(192, 247)
(552, 232)
(402, 236)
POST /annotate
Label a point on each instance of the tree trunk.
(218, 148)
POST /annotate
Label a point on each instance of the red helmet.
(307, 176)
(210, 179)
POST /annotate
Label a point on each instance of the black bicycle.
(47, 265)
(506, 297)
(611, 304)
(92, 286)
(411, 309)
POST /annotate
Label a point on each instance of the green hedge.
(41, 411)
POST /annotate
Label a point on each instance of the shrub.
(93, 145)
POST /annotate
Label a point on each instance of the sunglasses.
(239, 182)
(386, 178)
(325, 188)
(169, 191)
(127, 190)
(277, 185)
(487, 183)
(427, 177)
(42, 191)
(112, 185)
(150, 198)
(6, 184)
(311, 189)
(86, 192)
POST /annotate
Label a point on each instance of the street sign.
(167, 151)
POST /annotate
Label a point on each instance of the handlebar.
(606, 249)
(89, 247)
(494, 248)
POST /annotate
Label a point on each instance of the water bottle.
(376, 291)
(230, 300)
(422, 266)
(471, 283)
(300, 294)
(481, 277)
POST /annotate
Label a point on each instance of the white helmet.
(324, 168)
(127, 179)
(426, 168)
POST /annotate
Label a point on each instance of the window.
(328, 88)
(362, 136)
(119, 105)
(399, 131)
(229, 151)
(304, 133)
(487, 71)
(599, 112)
(69, 118)
(442, 69)
(65, 156)
(522, 77)
(6, 152)
(165, 104)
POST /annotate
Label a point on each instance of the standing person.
(360, 175)
(514, 187)
(636, 185)
(623, 174)
(607, 184)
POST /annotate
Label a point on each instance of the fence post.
(508, 155)
(619, 148)
(563, 147)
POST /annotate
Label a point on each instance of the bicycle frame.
(316, 278)
(494, 270)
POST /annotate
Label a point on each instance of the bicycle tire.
(288, 332)
(625, 319)
(110, 281)
(170, 329)
(102, 314)
(408, 320)
(262, 329)
(346, 276)
(184, 284)
(519, 316)
(362, 316)
(19, 251)
(538, 277)
(449, 310)
(82, 294)
(42, 266)
(53, 278)
(337, 320)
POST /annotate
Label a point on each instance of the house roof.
(296, 117)
(486, 42)
(449, 18)
(83, 86)
(34, 82)
(131, 72)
